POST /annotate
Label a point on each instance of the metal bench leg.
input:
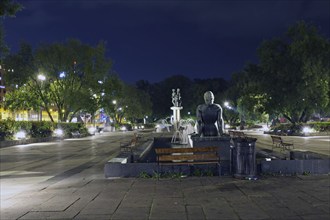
(219, 169)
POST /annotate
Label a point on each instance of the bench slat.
(191, 163)
(185, 150)
(237, 134)
(186, 157)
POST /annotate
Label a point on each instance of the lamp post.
(41, 78)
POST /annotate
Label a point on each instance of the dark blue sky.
(152, 40)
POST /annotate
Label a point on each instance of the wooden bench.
(278, 142)
(188, 156)
(129, 146)
(237, 134)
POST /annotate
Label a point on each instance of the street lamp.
(227, 105)
(41, 77)
(62, 74)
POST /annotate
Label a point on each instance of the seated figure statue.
(209, 117)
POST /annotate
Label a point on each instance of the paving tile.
(131, 213)
(168, 216)
(57, 203)
(101, 207)
(92, 217)
(318, 217)
(16, 214)
(48, 215)
(195, 212)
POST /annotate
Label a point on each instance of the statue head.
(208, 97)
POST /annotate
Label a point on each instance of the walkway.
(317, 144)
(64, 180)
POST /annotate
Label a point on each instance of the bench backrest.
(237, 134)
(187, 154)
(276, 139)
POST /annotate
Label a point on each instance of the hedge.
(38, 129)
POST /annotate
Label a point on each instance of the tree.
(217, 85)
(160, 94)
(7, 8)
(296, 72)
(61, 74)
(21, 99)
(136, 104)
(130, 103)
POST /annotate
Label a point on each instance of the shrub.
(6, 129)
(320, 126)
(69, 128)
(41, 129)
(38, 129)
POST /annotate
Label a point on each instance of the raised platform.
(223, 143)
(143, 160)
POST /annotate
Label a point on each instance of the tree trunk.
(302, 116)
(49, 114)
(289, 118)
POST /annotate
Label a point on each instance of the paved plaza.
(65, 180)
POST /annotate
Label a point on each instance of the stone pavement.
(90, 196)
(317, 144)
(65, 180)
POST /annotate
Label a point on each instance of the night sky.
(152, 40)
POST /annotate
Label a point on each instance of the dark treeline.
(192, 92)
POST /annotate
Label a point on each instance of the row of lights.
(20, 135)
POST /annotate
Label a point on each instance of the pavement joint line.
(291, 191)
(122, 199)
(66, 174)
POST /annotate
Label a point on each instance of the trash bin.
(243, 157)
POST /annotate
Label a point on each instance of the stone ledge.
(26, 141)
(296, 166)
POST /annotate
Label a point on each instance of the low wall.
(113, 169)
(316, 166)
(26, 141)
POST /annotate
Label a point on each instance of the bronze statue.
(209, 117)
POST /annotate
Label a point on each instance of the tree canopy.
(293, 76)
(8, 8)
(63, 76)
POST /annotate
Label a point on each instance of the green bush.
(38, 129)
(41, 129)
(149, 125)
(6, 129)
(298, 127)
(69, 128)
(290, 129)
(320, 126)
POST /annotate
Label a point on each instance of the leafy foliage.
(297, 68)
(292, 79)
(74, 73)
(7, 8)
(38, 129)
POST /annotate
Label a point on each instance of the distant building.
(22, 115)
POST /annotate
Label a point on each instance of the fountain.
(210, 133)
(176, 108)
